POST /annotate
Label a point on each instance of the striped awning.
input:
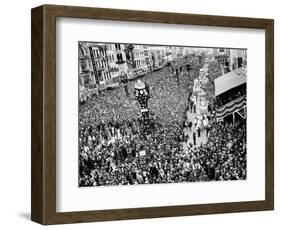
(231, 107)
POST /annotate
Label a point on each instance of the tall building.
(100, 65)
(222, 57)
(113, 67)
(117, 60)
(100, 60)
(87, 81)
(156, 55)
(237, 58)
(140, 58)
(147, 55)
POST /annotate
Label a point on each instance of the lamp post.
(124, 82)
(142, 95)
(150, 69)
(130, 56)
(176, 68)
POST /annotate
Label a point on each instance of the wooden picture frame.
(43, 202)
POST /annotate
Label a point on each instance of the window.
(83, 65)
(118, 46)
(240, 62)
(119, 58)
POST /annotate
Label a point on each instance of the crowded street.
(182, 142)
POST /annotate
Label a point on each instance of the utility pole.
(176, 67)
(178, 78)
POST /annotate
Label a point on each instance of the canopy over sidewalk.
(229, 81)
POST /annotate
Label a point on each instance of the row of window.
(101, 64)
(222, 60)
(138, 53)
(103, 75)
(140, 64)
(106, 76)
(98, 52)
(116, 46)
(119, 57)
(111, 58)
(84, 65)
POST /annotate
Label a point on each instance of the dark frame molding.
(43, 96)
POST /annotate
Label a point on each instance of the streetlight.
(176, 68)
(150, 69)
(124, 82)
(130, 56)
(142, 95)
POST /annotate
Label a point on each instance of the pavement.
(199, 140)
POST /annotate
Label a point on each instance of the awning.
(231, 107)
(228, 81)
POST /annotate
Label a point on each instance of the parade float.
(199, 95)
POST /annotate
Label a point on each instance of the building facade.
(140, 58)
(87, 80)
(100, 66)
(237, 58)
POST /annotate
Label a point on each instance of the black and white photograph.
(157, 114)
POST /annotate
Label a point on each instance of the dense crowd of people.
(113, 151)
